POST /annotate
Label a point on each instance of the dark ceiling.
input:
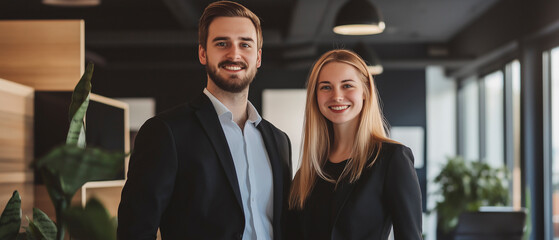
(162, 33)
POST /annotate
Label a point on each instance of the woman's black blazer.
(387, 194)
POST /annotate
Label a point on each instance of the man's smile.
(233, 66)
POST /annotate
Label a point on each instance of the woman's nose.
(338, 96)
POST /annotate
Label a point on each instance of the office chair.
(494, 225)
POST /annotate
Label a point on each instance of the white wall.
(285, 108)
(441, 135)
(140, 110)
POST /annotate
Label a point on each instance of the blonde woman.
(354, 182)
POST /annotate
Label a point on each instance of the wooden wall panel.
(47, 55)
(16, 144)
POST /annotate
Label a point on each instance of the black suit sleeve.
(150, 183)
(404, 195)
(288, 215)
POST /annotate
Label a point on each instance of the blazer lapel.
(210, 122)
(275, 162)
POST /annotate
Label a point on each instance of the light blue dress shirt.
(252, 165)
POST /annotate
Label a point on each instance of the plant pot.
(442, 235)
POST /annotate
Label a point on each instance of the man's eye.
(245, 45)
(221, 44)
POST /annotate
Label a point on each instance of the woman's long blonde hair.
(318, 134)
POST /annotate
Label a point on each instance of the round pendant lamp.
(358, 17)
(72, 3)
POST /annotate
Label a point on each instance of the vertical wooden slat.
(16, 144)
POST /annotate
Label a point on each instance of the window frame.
(511, 144)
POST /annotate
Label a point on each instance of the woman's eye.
(324, 88)
(348, 86)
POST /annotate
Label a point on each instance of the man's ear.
(202, 56)
(259, 59)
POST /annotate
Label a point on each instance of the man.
(212, 168)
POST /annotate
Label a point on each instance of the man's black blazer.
(182, 178)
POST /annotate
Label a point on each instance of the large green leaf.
(32, 232)
(42, 227)
(90, 223)
(66, 168)
(78, 108)
(10, 221)
(59, 199)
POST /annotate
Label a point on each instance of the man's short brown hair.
(226, 9)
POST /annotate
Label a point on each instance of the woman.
(354, 182)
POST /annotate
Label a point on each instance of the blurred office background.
(476, 78)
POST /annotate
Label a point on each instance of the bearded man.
(211, 168)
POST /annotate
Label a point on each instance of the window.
(551, 97)
(489, 122)
(494, 119)
(468, 99)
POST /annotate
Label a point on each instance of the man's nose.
(234, 52)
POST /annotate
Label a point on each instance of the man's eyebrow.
(249, 39)
(220, 39)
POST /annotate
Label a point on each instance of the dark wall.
(403, 97)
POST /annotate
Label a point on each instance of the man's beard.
(234, 84)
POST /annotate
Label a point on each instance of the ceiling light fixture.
(370, 57)
(72, 3)
(358, 17)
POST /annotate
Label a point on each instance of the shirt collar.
(222, 110)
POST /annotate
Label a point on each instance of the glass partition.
(554, 97)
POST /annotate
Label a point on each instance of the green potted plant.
(64, 170)
(466, 186)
